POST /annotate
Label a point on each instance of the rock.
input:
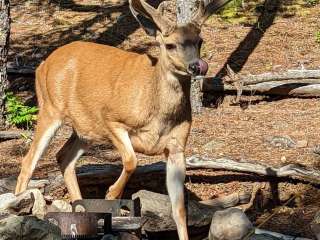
(229, 224)
(302, 144)
(29, 202)
(127, 236)
(39, 206)
(120, 236)
(281, 142)
(109, 237)
(60, 206)
(157, 214)
(9, 184)
(27, 227)
(5, 199)
(19, 205)
(315, 225)
(263, 237)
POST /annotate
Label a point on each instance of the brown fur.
(141, 104)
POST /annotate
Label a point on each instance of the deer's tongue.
(203, 67)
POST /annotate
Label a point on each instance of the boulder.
(27, 227)
(29, 202)
(60, 206)
(5, 199)
(229, 224)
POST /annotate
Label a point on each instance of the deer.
(140, 103)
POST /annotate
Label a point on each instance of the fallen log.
(295, 74)
(290, 171)
(296, 83)
(9, 135)
(305, 88)
(94, 180)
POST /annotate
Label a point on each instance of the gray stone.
(27, 227)
(281, 142)
(8, 185)
(60, 206)
(39, 207)
(19, 205)
(29, 202)
(109, 237)
(229, 224)
(5, 199)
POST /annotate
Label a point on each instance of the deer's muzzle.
(198, 67)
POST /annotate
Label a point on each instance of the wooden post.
(4, 46)
(185, 10)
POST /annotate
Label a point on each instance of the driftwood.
(289, 171)
(306, 88)
(296, 83)
(94, 180)
(295, 74)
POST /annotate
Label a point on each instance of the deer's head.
(179, 44)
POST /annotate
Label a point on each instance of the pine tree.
(4, 46)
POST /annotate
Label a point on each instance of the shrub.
(17, 113)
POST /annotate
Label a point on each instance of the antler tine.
(206, 8)
(200, 12)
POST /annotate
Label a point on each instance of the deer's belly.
(149, 142)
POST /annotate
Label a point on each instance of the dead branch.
(229, 200)
(295, 74)
(300, 82)
(291, 171)
(303, 88)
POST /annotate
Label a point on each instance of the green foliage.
(17, 113)
(318, 37)
(230, 11)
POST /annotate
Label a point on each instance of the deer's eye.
(171, 46)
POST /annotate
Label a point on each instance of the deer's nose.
(198, 67)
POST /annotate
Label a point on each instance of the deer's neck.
(173, 88)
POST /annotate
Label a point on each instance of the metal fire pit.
(118, 207)
(81, 225)
(125, 213)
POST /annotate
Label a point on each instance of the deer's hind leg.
(47, 125)
(67, 158)
(122, 142)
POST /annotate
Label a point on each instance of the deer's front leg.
(176, 171)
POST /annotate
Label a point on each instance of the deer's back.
(92, 84)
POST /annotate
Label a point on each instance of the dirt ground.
(260, 42)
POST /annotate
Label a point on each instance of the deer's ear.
(206, 8)
(150, 19)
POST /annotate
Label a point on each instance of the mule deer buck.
(141, 105)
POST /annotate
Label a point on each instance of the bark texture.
(185, 10)
(4, 46)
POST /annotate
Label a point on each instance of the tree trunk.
(185, 10)
(4, 46)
